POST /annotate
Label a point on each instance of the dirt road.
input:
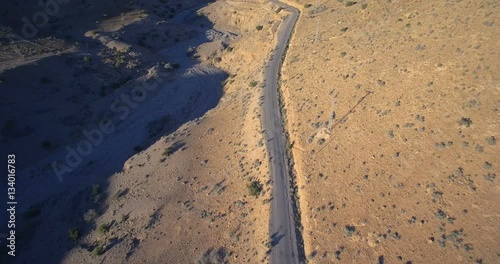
(282, 227)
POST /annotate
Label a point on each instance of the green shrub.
(212, 256)
(98, 250)
(90, 216)
(117, 195)
(73, 234)
(349, 230)
(307, 5)
(119, 59)
(87, 59)
(255, 188)
(350, 3)
(96, 193)
(465, 121)
(96, 189)
(168, 151)
(259, 27)
(124, 218)
(253, 83)
(103, 229)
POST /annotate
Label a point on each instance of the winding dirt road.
(282, 225)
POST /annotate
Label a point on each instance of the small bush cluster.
(465, 121)
(211, 256)
(103, 229)
(255, 188)
(98, 250)
(96, 193)
(168, 151)
(90, 216)
(73, 234)
(87, 59)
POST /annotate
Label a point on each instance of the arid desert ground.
(138, 134)
(407, 172)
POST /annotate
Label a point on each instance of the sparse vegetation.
(214, 256)
(349, 230)
(90, 216)
(87, 59)
(117, 195)
(73, 234)
(96, 193)
(490, 177)
(350, 3)
(119, 59)
(440, 214)
(465, 121)
(168, 151)
(98, 250)
(491, 140)
(255, 188)
(103, 229)
(124, 218)
(368, 172)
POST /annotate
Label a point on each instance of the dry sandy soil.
(407, 173)
(169, 184)
(393, 109)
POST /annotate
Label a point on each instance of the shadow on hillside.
(51, 209)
